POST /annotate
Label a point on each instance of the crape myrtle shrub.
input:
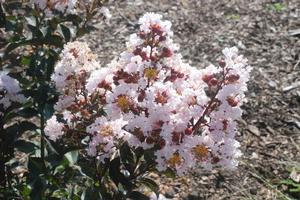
(104, 129)
(148, 110)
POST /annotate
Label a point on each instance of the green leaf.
(36, 33)
(15, 45)
(38, 186)
(25, 146)
(75, 19)
(296, 190)
(135, 195)
(48, 111)
(12, 132)
(60, 193)
(31, 20)
(25, 191)
(90, 193)
(128, 158)
(117, 176)
(11, 23)
(150, 184)
(55, 40)
(25, 60)
(72, 157)
(35, 167)
(27, 112)
(27, 126)
(169, 173)
(65, 32)
(80, 32)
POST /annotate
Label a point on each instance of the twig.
(294, 143)
(296, 65)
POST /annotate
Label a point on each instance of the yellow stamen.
(123, 103)
(174, 160)
(200, 151)
(150, 73)
(106, 131)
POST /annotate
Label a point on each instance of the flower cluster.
(69, 6)
(60, 5)
(9, 92)
(71, 73)
(151, 99)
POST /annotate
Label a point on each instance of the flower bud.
(213, 82)
(222, 63)
(206, 78)
(232, 78)
(188, 131)
(156, 29)
(166, 52)
(142, 35)
(232, 101)
(162, 143)
(150, 140)
(162, 38)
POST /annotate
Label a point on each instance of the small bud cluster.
(9, 92)
(151, 99)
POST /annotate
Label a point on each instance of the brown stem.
(205, 112)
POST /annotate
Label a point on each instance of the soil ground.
(264, 31)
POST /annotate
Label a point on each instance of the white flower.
(9, 91)
(71, 72)
(67, 6)
(54, 129)
(101, 76)
(104, 135)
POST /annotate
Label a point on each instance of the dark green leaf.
(117, 176)
(128, 158)
(48, 111)
(27, 112)
(27, 126)
(36, 33)
(135, 195)
(35, 167)
(150, 184)
(55, 40)
(15, 45)
(65, 31)
(80, 32)
(38, 186)
(25, 146)
(90, 193)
